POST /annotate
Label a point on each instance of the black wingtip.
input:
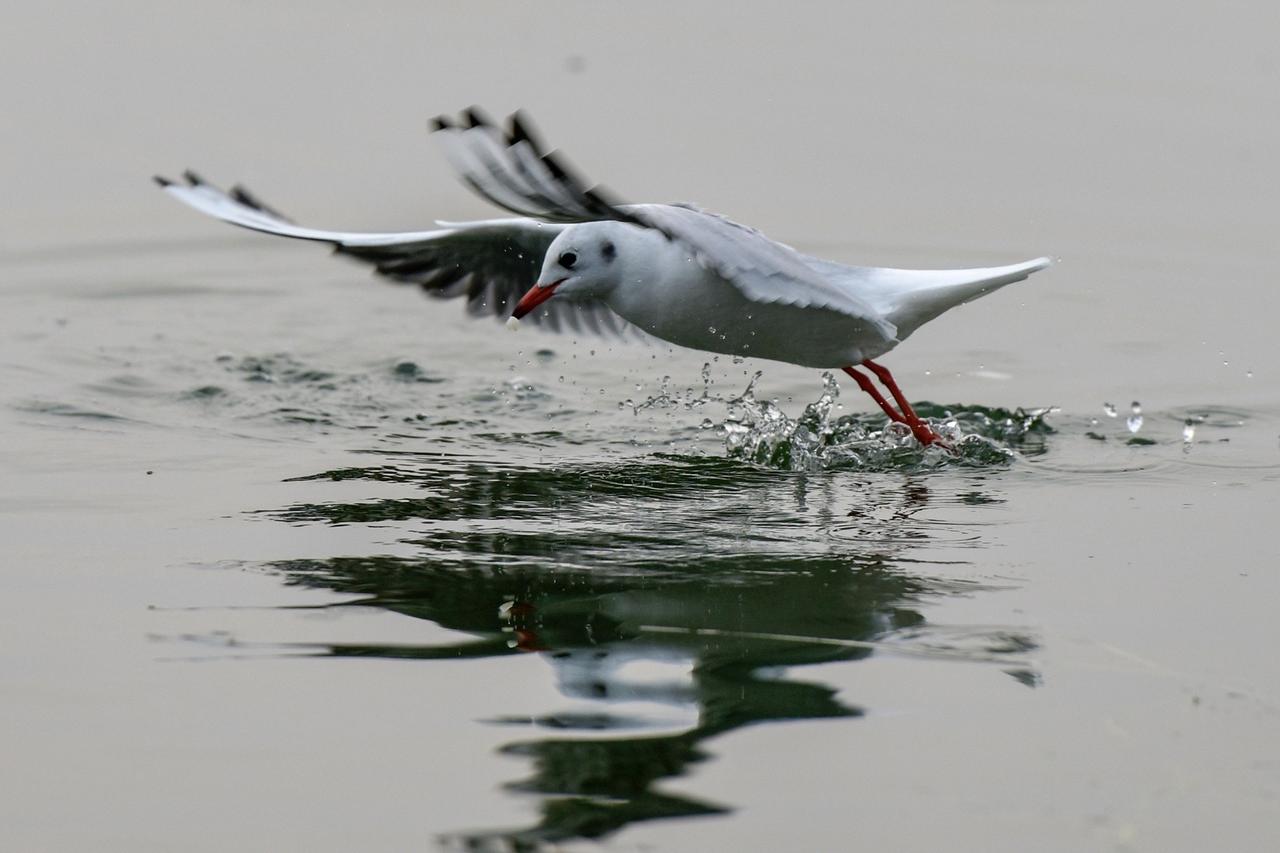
(440, 123)
(602, 201)
(562, 171)
(162, 181)
(193, 179)
(553, 163)
(242, 194)
(521, 132)
(476, 117)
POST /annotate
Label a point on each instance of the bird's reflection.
(671, 599)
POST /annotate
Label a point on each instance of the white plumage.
(673, 271)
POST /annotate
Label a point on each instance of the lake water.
(295, 559)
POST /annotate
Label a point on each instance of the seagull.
(574, 257)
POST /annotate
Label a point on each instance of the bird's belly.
(712, 315)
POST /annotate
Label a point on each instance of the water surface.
(297, 560)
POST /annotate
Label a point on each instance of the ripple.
(280, 367)
(407, 371)
(204, 392)
(69, 410)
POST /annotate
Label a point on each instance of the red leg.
(882, 373)
(919, 428)
(523, 616)
(864, 382)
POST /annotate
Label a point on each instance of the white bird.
(673, 271)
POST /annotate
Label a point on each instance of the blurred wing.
(491, 262)
(513, 171)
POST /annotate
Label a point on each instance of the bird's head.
(581, 263)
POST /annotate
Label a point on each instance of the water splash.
(759, 431)
(688, 399)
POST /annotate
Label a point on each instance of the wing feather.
(490, 262)
(516, 173)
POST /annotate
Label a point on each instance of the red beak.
(537, 295)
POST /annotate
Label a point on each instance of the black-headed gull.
(674, 271)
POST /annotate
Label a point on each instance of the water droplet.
(1134, 422)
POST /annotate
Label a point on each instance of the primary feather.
(490, 262)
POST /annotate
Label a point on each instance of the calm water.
(298, 560)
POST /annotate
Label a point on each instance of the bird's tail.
(911, 298)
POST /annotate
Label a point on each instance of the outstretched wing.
(491, 262)
(514, 171)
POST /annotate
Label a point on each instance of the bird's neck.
(655, 282)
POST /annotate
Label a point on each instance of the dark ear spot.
(609, 251)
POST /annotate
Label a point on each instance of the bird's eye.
(568, 259)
